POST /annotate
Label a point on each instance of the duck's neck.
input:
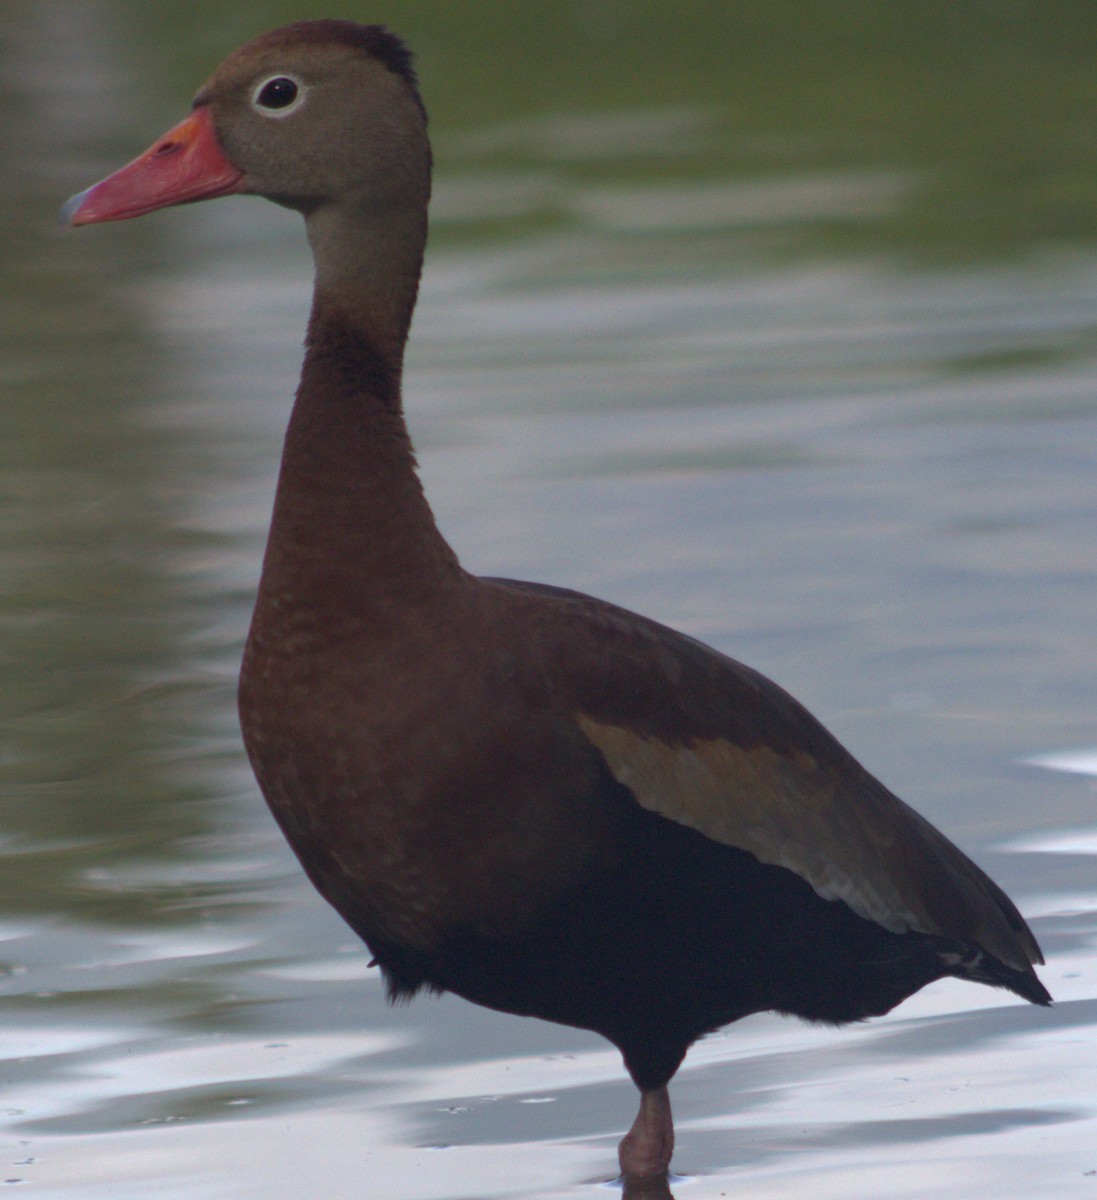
(352, 536)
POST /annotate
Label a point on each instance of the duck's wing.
(707, 742)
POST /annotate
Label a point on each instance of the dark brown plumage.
(528, 797)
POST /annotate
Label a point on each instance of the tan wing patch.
(786, 811)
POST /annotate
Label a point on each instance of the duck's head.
(314, 115)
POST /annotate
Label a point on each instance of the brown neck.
(352, 537)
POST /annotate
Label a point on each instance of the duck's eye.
(276, 97)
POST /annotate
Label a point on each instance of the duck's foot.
(644, 1152)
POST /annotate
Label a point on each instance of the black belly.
(670, 936)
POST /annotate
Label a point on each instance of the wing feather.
(859, 844)
(703, 740)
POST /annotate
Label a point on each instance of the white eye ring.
(285, 94)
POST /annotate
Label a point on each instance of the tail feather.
(971, 962)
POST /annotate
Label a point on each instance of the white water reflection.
(1001, 1096)
(1077, 762)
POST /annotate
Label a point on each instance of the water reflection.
(95, 609)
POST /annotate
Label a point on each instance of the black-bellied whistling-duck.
(517, 793)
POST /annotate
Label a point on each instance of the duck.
(511, 791)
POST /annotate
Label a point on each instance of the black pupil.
(278, 93)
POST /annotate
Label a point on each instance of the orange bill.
(185, 164)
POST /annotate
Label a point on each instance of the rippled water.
(872, 480)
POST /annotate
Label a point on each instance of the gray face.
(311, 125)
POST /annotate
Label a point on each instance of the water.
(689, 340)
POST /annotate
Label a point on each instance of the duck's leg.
(645, 1150)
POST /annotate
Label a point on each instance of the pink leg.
(645, 1150)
